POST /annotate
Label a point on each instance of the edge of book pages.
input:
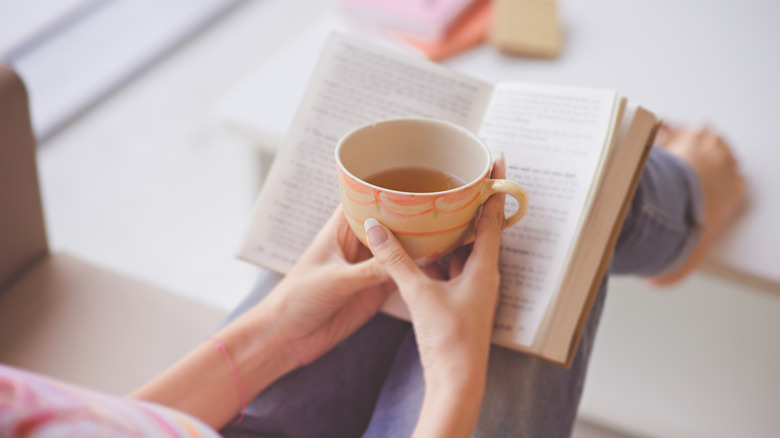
(560, 335)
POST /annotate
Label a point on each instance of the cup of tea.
(423, 179)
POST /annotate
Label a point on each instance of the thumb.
(364, 274)
(391, 255)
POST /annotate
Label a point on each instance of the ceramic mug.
(428, 224)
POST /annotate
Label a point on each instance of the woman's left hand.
(333, 289)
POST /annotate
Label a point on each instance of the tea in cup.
(424, 179)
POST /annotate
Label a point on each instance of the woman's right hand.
(452, 318)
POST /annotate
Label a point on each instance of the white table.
(144, 183)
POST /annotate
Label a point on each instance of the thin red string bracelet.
(240, 385)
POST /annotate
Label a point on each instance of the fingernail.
(375, 234)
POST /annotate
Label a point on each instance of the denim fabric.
(371, 384)
(664, 221)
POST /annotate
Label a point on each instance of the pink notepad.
(423, 20)
(469, 30)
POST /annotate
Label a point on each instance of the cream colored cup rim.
(463, 130)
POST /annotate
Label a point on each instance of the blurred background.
(157, 121)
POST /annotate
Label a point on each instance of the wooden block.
(526, 27)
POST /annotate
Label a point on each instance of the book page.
(354, 83)
(568, 313)
(554, 140)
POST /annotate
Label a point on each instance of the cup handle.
(510, 188)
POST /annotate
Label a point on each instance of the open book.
(578, 152)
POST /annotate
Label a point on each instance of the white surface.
(143, 183)
(73, 65)
(24, 21)
(261, 106)
(697, 361)
(674, 59)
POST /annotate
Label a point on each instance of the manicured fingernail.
(375, 234)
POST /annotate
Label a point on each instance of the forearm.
(450, 410)
(203, 383)
(453, 395)
(663, 224)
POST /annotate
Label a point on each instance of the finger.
(666, 133)
(337, 238)
(359, 309)
(458, 260)
(392, 256)
(499, 168)
(351, 249)
(337, 219)
(490, 225)
(364, 274)
(686, 136)
(332, 227)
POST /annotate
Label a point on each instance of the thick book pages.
(578, 152)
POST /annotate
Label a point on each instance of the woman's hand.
(453, 319)
(332, 291)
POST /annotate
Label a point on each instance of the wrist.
(454, 389)
(450, 410)
(233, 368)
(255, 349)
(459, 369)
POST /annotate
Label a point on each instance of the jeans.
(372, 384)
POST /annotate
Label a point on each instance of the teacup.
(429, 224)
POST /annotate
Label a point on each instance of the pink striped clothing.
(34, 406)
